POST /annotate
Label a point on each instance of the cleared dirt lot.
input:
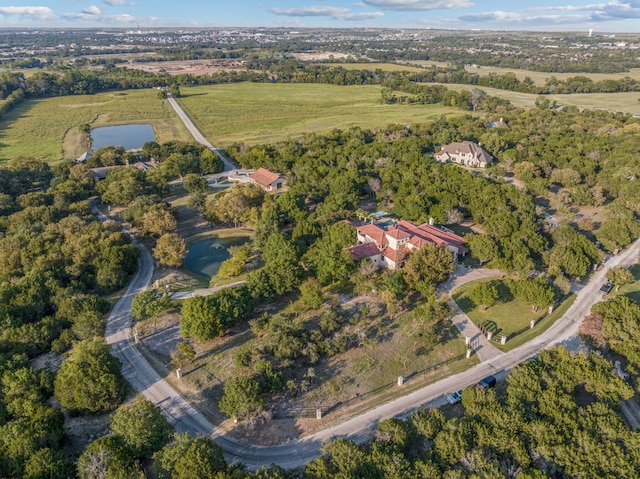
(193, 67)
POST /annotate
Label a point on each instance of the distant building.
(466, 153)
(100, 173)
(267, 179)
(388, 246)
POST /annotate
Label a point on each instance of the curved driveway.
(297, 452)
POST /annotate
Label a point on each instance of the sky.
(541, 15)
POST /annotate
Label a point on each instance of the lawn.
(258, 113)
(47, 128)
(631, 290)
(509, 316)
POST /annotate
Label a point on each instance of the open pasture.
(47, 128)
(258, 113)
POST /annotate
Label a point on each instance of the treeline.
(557, 418)
(56, 265)
(81, 82)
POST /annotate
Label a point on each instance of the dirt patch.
(161, 335)
(81, 431)
(50, 361)
(582, 396)
(311, 57)
(193, 67)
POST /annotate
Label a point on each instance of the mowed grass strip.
(37, 128)
(540, 78)
(260, 113)
(626, 102)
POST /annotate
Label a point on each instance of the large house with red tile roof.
(266, 179)
(388, 246)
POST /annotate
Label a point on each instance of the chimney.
(430, 221)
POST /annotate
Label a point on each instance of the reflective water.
(126, 136)
(206, 256)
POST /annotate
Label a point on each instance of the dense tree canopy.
(89, 381)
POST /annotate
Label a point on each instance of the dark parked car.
(487, 382)
(606, 287)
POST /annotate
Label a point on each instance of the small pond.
(127, 136)
(206, 256)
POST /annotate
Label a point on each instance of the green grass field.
(258, 113)
(47, 128)
(509, 316)
(626, 102)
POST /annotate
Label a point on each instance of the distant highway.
(228, 166)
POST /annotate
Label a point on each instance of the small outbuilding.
(266, 179)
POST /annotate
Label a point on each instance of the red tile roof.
(374, 232)
(397, 256)
(397, 233)
(364, 250)
(264, 177)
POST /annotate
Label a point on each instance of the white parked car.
(455, 398)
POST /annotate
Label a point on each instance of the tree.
(146, 304)
(482, 247)
(535, 292)
(311, 293)
(202, 459)
(484, 295)
(620, 276)
(90, 381)
(159, 220)
(106, 458)
(142, 427)
(47, 463)
(331, 262)
(428, 266)
(195, 184)
(242, 398)
(200, 319)
(170, 250)
(121, 186)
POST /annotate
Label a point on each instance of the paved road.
(228, 166)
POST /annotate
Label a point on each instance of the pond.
(205, 257)
(127, 136)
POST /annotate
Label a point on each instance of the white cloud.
(613, 11)
(92, 10)
(417, 5)
(337, 13)
(109, 19)
(118, 2)
(362, 16)
(313, 11)
(38, 13)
